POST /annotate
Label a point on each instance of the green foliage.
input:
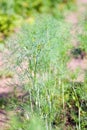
(27, 6)
(44, 48)
(39, 54)
(83, 38)
(34, 124)
(10, 10)
(6, 25)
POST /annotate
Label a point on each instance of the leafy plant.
(43, 49)
(39, 56)
(11, 12)
(28, 6)
(7, 24)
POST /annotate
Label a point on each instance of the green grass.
(60, 103)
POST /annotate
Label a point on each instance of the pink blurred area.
(82, 1)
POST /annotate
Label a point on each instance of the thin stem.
(63, 95)
(47, 128)
(79, 119)
(31, 102)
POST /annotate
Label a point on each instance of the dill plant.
(42, 48)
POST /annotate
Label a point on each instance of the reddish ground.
(74, 63)
(82, 1)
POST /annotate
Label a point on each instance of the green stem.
(79, 118)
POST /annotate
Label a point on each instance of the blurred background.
(15, 12)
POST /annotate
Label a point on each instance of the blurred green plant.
(34, 124)
(26, 7)
(83, 36)
(6, 25)
(39, 56)
(10, 10)
(43, 49)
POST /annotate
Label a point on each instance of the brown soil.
(79, 62)
(3, 120)
(4, 92)
(7, 86)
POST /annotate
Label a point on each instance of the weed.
(39, 55)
